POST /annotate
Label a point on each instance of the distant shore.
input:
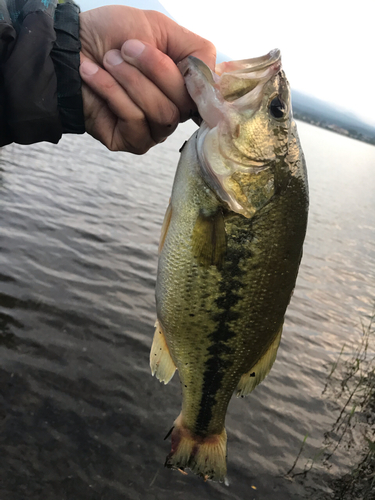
(354, 134)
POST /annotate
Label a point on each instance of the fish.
(230, 248)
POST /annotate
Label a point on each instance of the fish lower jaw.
(205, 456)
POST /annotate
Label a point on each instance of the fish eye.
(277, 108)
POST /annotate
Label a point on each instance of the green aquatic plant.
(351, 382)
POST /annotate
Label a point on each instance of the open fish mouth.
(247, 65)
(231, 81)
(238, 78)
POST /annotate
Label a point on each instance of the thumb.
(178, 42)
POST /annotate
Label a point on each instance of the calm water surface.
(80, 415)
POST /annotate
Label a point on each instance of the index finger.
(162, 71)
(158, 58)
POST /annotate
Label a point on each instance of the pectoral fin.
(260, 370)
(161, 363)
(209, 239)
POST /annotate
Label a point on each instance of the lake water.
(80, 415)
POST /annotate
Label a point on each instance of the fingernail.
(89, 68)
(113, 57)
(133, 48)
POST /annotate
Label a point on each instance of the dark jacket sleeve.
(40, 92)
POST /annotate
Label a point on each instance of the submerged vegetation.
(351, 383)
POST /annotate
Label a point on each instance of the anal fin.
(260, 370)
(161, 363)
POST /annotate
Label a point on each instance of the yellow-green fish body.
(229, 254)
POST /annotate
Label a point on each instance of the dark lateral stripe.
(212, 381)
(216, 367)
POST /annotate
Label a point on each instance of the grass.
(351, 382)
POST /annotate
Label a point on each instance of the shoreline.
(352, 133)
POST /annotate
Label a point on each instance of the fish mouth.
(231, 81)
(250, 65)
(238, 78)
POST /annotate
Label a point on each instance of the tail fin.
(205, 456)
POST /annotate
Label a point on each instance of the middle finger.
(161, 113)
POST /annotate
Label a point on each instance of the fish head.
(247, 127)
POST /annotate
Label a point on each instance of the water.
(80, 415)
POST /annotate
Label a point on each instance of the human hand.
(133, 93)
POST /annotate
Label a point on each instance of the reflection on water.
(80, 415)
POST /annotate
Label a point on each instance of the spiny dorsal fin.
(209, 239)
(161, 363)
(165, 226)
(260, 370)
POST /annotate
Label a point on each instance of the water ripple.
(80, 415)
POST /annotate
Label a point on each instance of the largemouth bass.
(230, 249)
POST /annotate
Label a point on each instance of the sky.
(327, 46)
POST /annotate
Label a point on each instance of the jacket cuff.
(7, 39)
(65, 55)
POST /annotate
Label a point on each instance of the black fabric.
(30, 83)
(40, 86)
(7, 39)
(65, 56)
(19, 9)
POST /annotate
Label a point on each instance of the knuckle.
(139, 149)
(161, 63)
(164, 123)
(142, 140)
(158, 18)
(109, 86)
(210, 47)
(133, 77)
(170, 117)
(121, 144)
